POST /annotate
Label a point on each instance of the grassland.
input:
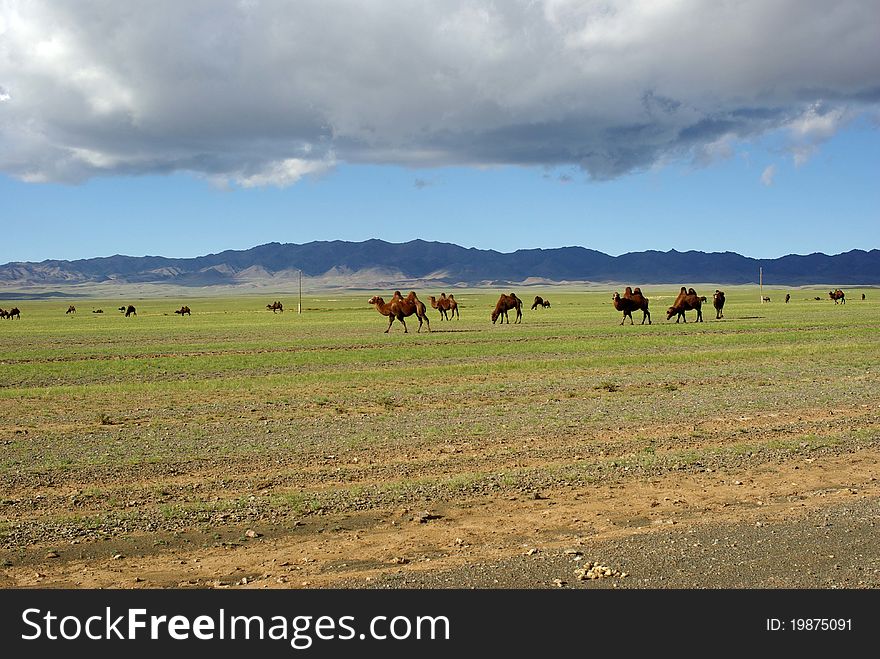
(159, 436)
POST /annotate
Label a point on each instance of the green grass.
(158, 393)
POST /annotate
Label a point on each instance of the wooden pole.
(299, 308)
(761, 283)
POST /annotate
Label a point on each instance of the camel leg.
(428, 322)
(390, 321)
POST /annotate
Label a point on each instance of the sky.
(186, 128)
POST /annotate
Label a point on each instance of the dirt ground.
(803, 519)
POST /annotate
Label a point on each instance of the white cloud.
(263, 93)
(768, 175)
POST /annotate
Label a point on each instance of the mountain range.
(372, 263)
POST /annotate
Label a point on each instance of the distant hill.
(377, 263)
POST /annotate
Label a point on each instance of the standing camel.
(506, 303)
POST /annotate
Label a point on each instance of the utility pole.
(761, 283)
(299, 308)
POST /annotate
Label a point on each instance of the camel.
(640, 300)
(765, 298)
(71, 309)
(412, 305)
(787, 297)
(129, 310)
(718, 303)
(506, 303)
(276, 306)
(687, 299)
(184, 310)
(838, 296)
(399, 308)
(540, 303)
(631, 301)
(444, 305)
(13, 313)
(453, 305)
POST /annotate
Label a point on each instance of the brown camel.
(184, 310)
(71, 309)
(506, 303)
(444, 305)
(129, 310)
(838, 296)
(718, 303)
(631, 301)
(399, 308)
(687, 300)
(412, 305)
(276, 306)
(540, 303)
(13, 313)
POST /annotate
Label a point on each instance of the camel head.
(375, 300)
(670, 312)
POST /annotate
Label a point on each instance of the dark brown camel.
(276, 306)
(13, 313)
(71, 309)
(686, 301)
(838, 296)
(412, 305)
(540, 302)
(787, 297)
(718, 303)
(506, 303)
(640, 300)
(184, 310)
(444, 305)
(129, 310)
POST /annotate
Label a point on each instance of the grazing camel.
(540, 302)
(686, 301)
(129, 310)
(444, 305)
(838, 296)
(71, 309)
(718, 303)
(276, 306)
(787, 297)
(506, 303)
(13, 313)
(765, 299)
(184, 310)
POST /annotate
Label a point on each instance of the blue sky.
(585, 137)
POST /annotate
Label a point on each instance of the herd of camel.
(399, 307)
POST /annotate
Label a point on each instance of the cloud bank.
(264, 92)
